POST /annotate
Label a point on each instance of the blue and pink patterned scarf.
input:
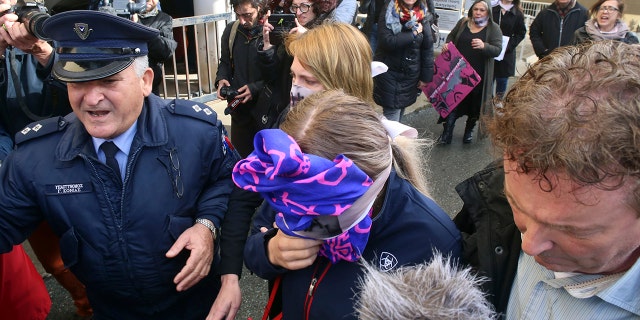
(311, 194)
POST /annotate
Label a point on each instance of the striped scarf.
(398, 16)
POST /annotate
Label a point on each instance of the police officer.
(135, 186)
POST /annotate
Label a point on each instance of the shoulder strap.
(194, 110)
(232, 38)
(17, 84)
(41, 128)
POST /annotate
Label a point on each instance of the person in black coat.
(508, 15)
(555, 25)
(373, 8)
(162, 47)
(239, 71)
(405, 45)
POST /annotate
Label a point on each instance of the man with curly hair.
(555, 225)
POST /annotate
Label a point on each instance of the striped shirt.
(537, 294)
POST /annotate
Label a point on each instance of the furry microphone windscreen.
(434, 290)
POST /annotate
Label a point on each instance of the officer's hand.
(244, 93)
(228, 300)
(199, 240)
(292, 253)
(222, 83)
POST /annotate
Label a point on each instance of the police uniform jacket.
(405, 232)
(114, 234)
(491, 240)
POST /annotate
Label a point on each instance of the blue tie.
(110, 149)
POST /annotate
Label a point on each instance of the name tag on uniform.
(68, 188)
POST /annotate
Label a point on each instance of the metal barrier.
(531, 9)
(178, 80)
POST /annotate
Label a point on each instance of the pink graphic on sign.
(453, 79)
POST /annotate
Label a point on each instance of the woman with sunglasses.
(605, 24)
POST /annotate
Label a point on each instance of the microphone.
(439, 289)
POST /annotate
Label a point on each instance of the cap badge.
(82, 30)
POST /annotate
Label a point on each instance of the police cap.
(93, 45)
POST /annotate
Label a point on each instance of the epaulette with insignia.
(41, 128)
(194, 110)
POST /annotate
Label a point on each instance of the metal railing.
(178, 79)
(531, 9)
(180, 82)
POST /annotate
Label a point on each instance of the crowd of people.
(315, 190)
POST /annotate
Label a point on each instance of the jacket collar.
(152, 131)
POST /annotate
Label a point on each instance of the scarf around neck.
(618, 32)
(506, 7)
(398, 16)
(151, 13)
(564, 10)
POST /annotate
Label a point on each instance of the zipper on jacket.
(312, 286)
(561, 27)
(315, 282)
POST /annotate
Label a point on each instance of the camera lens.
(34, 21)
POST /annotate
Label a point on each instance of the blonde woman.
(331, 56)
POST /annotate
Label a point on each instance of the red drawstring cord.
(308, 301)
(272, 296)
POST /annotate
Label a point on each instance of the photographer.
(161, 48)
(239, 69)
(28, 94)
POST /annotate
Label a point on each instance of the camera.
(228, 92)
(124, 8)
(32, 14)
(231, 95)
(282, 24)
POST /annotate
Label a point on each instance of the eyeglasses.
(178, 186)
(608, 9)
(304, 7)
(248, 15)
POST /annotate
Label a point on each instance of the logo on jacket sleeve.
(387, 261)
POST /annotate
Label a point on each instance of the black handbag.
(267, 109)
